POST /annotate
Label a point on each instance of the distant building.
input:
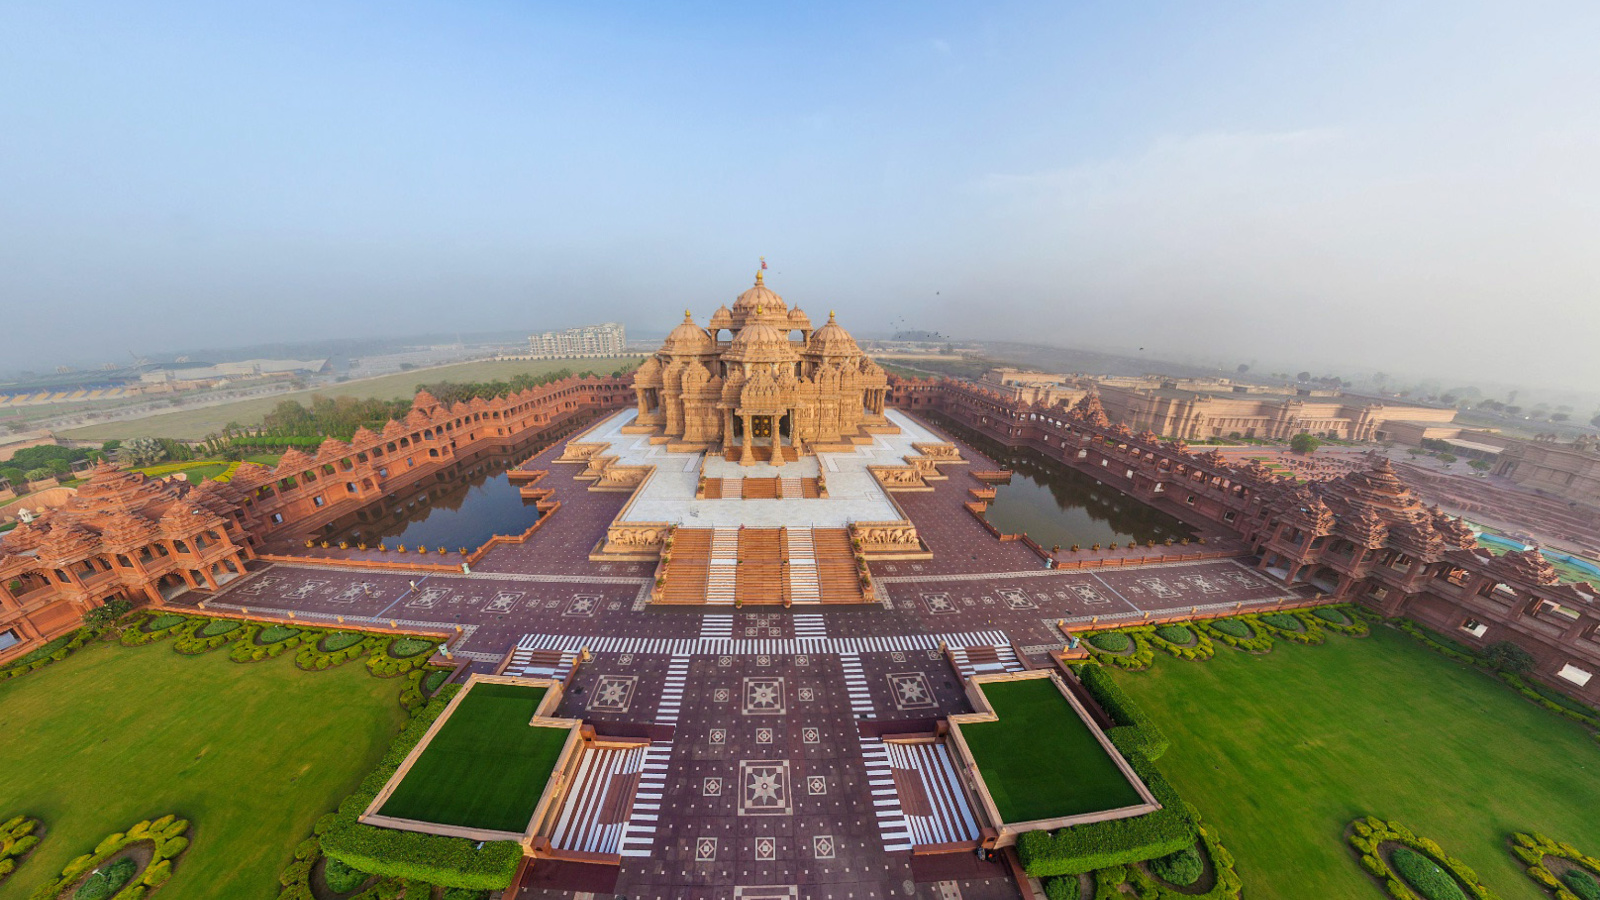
(590, 340)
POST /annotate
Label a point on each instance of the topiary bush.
(1418, 866)
(1176, 633)
(1332, 615)
(219, 627)
(404, 647)
(1111, 641)
(1582, 884)
(1182, 868)
(1232, 628)
(107, 881)
(1425, 876)
(465, 894)
(433, 680)
(1283, 621)
(341, 640)
(341, 878)
(272, 634)
(17, 840)
(161, 623)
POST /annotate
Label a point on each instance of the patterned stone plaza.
(763, 771)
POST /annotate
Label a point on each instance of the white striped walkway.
(536, 662)
(716, 627)
(980, 660)
(720, 647)
(593, 818)
(949, 818)
(722, 574)
(804, 588)
(671, 705)
(640, 834)
(807, 627)
(855, 684)
(885, 799)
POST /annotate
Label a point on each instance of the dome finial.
(758, 276)
(759, 309)
(830, 315)
(687, 317)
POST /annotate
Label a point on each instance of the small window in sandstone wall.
(1575, 675)
(1474, 628)
(317, 500)
(9, 639)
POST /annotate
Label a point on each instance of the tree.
(1303, 376)
(1481, 465)
(107, 614)
(1304, 442)
(1243, 368)
(1447, 457)
(111, 445)
(1504, 656)
(141, 451)
(39, 474)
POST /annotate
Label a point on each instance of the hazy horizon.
(1339, 188)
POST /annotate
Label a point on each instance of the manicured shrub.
(1582, 884)
(465, 894)
(1176, 633)
(1283, 621)
(1505, 656)
(272, 634)
(107, 881)
(1425, 876)
(1232, 627)
(1182, 868)
(1136, 731)
(219, 627)
(404, 647)
(161, 623)
(1332, 615)
(341, 640)
(341, 878)
(431, 682)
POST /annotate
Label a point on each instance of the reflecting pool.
(1058, 505)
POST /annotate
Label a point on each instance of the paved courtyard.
(764, 776)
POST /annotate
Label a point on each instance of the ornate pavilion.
(775, 387)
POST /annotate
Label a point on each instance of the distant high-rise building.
(590, 340)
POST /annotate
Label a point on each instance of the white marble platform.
(668, 496)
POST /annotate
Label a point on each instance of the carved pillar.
(747, 453)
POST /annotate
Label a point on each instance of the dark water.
(1058, 505)
(463, 507)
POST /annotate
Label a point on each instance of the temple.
(774, 389)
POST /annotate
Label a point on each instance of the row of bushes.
(1133, 648)
(1575, 884)
(165, 835)
(1116, 842)
(1558, 704)
(1133, 730)
(450, 862)
(1177, 874)
(1429, 871)
(53, 651)
(296, 877)
(319, 648)
(17, 840)
(1182, 641)
(1237, 633)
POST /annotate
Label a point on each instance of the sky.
(1340, 187)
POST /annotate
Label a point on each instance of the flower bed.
(1580, 879)
(167, 843)
(1424, 871)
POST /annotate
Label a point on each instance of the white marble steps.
(722, 577)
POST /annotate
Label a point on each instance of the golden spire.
(687, 317)
(830, 315)
(758, 276)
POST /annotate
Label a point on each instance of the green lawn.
(194, 424)
(1281, 751)
(1041, 760)
(484, 768)
(252, 754)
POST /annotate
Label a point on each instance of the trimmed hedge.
(1117, 882)
(1176, 633)
(1233, 628)
(1238, 632)
(404, 647)
(107, 881)
(218, 627)
(273, 634)
(341, 878)
(434, 679)
(1332, 615)
(340, 640)
(1096, 845)
(17, 840)
(1136, 731)
(165, 836)
(1532, 848)
(1367, 837)
(444, 861)
(1182, 868)
(296, 877)
(1424, 875)
(1558, 704)
(53, 651)
(1111, 641)
(1582, 884)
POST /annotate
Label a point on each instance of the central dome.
(759, 299)
(760, 342)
